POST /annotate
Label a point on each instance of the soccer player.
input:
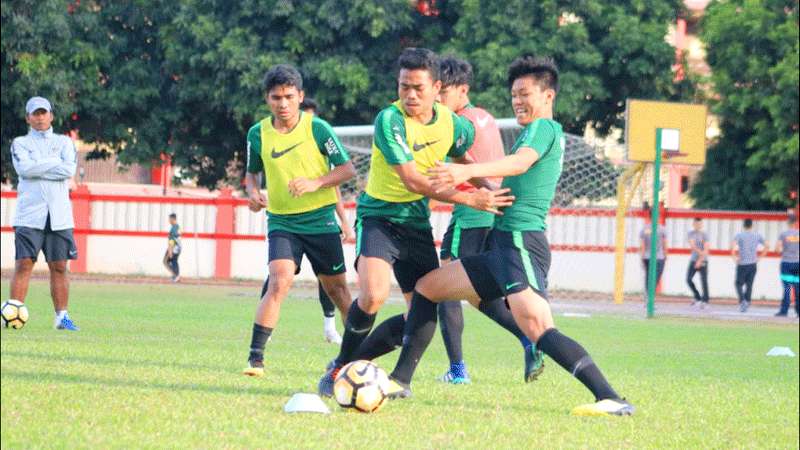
(698, 262)
(746, 249)
(296, 151)
(789, 247)
(466, 234)
(173, 248)
(393, 231)
(309, 106)
(518, 259)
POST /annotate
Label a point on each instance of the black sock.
(264, 288)
(328, 309)
(451, 323)
(356, 328)
(418, 332)
(499, 312)
(574, 359)
(258, 341)
(384, 338)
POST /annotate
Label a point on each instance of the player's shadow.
(138, 384)
(106, 361)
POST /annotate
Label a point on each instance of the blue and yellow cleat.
(66, 324)
(607, 407)
(534, 363)
(456, 375)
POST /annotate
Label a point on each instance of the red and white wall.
(127, 234)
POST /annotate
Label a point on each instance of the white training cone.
(301, 402)
(781, 351)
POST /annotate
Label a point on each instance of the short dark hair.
(454, 71)
(698, 219)
(414, 58)
(309, 103)
(543, 71)
(282, 75)
(748, 223)
(173, 216)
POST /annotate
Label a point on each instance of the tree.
(752, 48)
(219, 52)
(38, 42)
(606, 52)
(99, 63)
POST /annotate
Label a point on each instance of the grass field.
(157, 366)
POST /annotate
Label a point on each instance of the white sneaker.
(332, 336)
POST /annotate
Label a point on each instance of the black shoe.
(780, 314)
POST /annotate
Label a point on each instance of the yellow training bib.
(293, 155)
(426, 143)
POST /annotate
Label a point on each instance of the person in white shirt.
(44, 162)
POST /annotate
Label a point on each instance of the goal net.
(581, 224)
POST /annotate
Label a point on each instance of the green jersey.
(399, 140)
(307, 151)
(534, 190)
(174, 233)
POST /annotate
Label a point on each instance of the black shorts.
(513, 261)
(324, 251)
(410, 251)
(459, 242)
(56, 245)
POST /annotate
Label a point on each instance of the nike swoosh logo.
(418, 147)
(483, 121)
(338, 266)
(283, 152)
(364, 371)
(509, 286)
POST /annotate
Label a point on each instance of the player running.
(518, 259)
(309, 106)
(466, 234)
(295, 150)
(393, 231)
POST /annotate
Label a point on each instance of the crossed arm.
(54, 168)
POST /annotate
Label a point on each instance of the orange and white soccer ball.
(361, 385)
(14, 313)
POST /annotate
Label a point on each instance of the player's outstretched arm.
(482, 199)
(446, 176)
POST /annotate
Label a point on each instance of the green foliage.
(752, 48)
(150, 76)
(606, 51)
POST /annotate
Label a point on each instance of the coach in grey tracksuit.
(747, 246)
(44, 162)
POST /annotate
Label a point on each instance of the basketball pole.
(651, 269)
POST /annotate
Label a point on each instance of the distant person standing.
(789, 248)
(747, 246)
(644, 250)
(44, 162)
(173, 248)
(698, 262)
